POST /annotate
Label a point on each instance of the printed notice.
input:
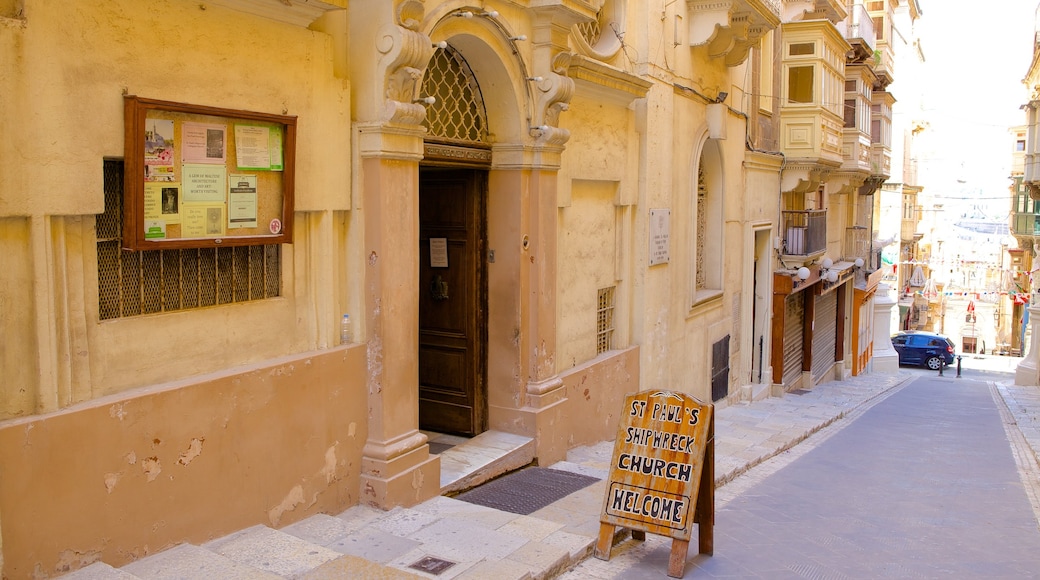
(162, 202)
(158, 150)
(276, 149)
(438, 252)
(253, 147)
(154, 229)
(202, 221)
(204, 183)
(241, 201)
(202, 143)
(660, 232)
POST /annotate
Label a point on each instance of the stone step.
(100, 571)
(189, 561)
(272, 551)
(442, 538)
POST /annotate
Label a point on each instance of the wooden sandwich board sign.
(662, 477)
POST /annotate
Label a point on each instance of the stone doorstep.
(483, 458)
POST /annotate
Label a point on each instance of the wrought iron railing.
(805, 232)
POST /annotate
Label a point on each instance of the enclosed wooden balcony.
(881, 12)
(812, 104)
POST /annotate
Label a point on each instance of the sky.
(970, 83)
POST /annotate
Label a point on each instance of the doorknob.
(438, 288)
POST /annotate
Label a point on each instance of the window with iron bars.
(152, 281)
(605, 320)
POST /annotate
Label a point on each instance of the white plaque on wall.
(438, 252)
(660, 232)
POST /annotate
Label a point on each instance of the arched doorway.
(453, 280)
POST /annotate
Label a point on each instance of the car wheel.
(934, 362)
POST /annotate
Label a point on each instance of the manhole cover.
(528, 490)
(432, 565)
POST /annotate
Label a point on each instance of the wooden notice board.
(662, 474)
(199, 176)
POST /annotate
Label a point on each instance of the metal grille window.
(605, 320)
(720, 369)
(702, 228)
(590, 31)
(458, 113)
(135, 283)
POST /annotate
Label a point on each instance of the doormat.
(528, 490)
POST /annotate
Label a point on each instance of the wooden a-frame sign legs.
(664, 461)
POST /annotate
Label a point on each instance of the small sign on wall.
(438, 252)
(660, 234)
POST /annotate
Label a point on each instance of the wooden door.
(452, 301)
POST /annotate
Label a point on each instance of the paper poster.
(241, 201)
(203, 143)
(204, 183)
(253, 147)
(438, 252)
(158, 150)
(154, 229)
(162, 201)
(202, 221)
(276, 149)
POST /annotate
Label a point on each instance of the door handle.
(438, 289)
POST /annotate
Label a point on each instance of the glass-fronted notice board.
(199, 176)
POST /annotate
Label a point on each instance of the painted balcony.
(858, 29)
(805, 233)
(812, 101)
(881, 134)
(1025, 224)
(881, 12)
(857, 244)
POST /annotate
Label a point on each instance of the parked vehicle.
(917, 347)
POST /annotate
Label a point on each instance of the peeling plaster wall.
(120, 478)
(596, 392)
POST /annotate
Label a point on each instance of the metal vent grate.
(605, 320)
(458, 113)
(135, 283)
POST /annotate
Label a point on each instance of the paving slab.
(99, 571)
(356, 567)
(374, 544)
(188, 561)
(272, 551)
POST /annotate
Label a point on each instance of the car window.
(936, 342)
(918, 340)
(900, 340)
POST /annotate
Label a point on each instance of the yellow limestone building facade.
(573, 216)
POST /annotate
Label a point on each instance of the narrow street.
(924, 484)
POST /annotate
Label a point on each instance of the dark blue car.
(918, 347)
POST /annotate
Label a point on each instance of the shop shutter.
(825, 331)
(794, 312)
